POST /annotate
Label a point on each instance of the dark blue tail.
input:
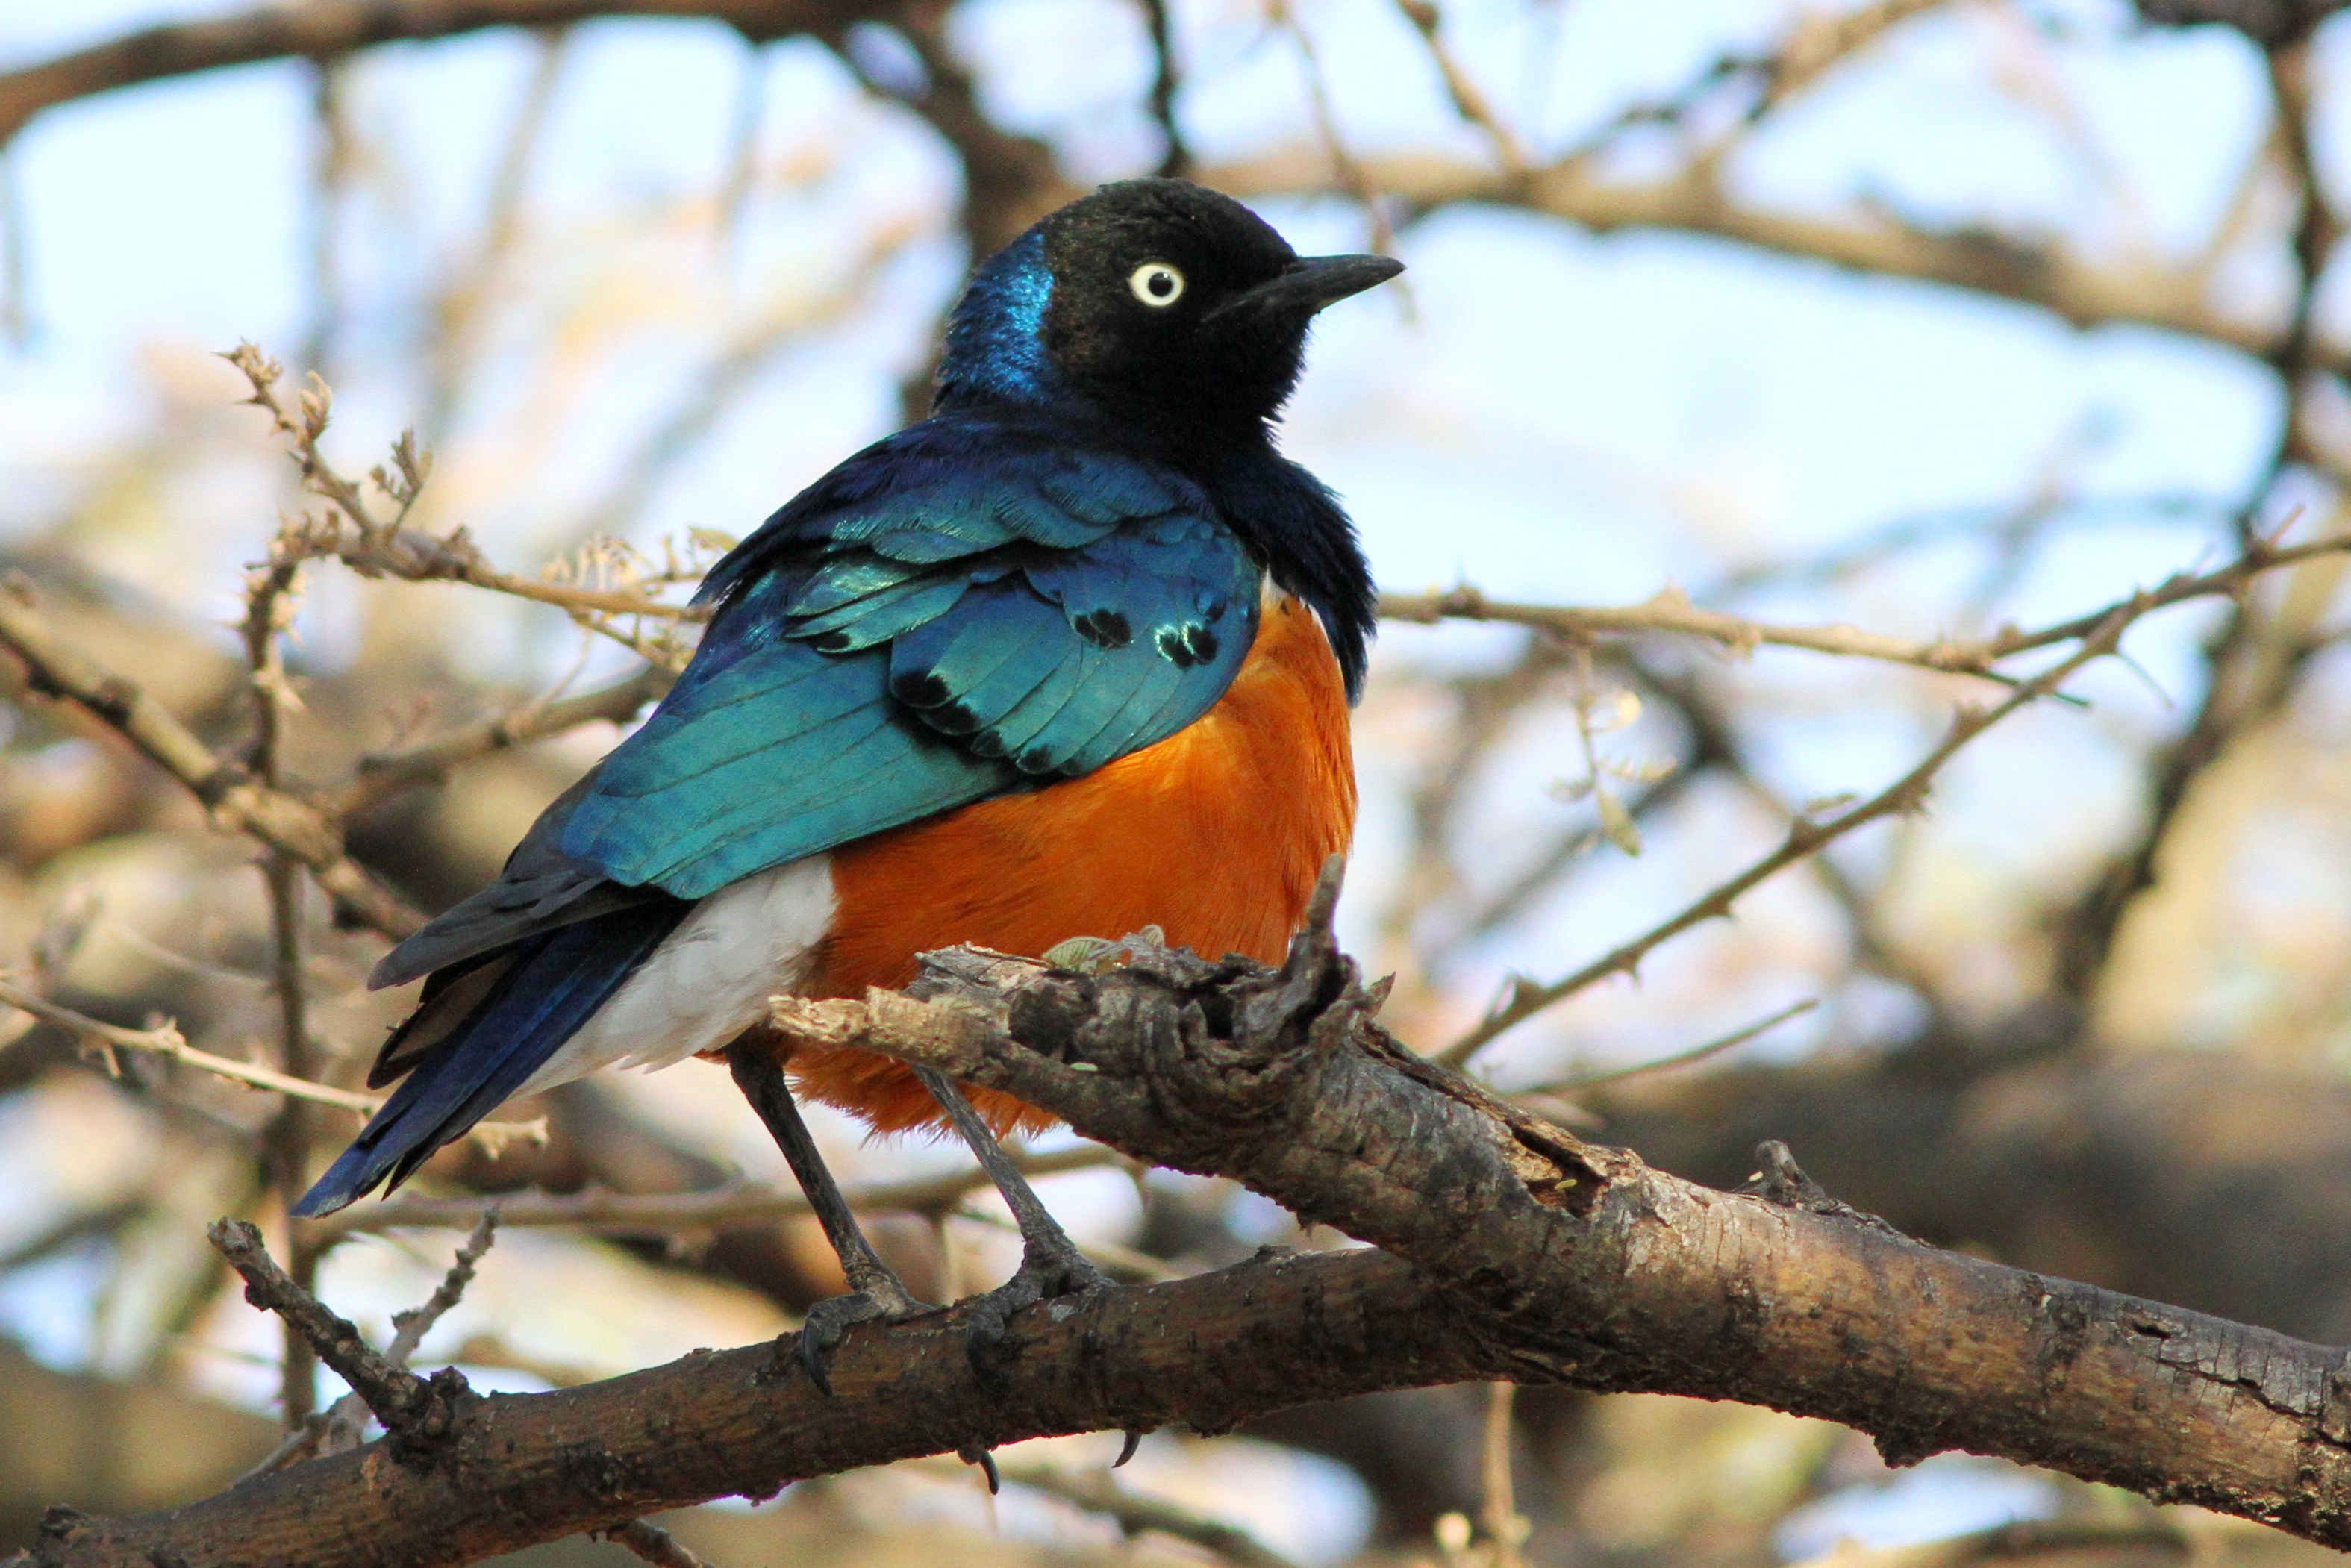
(552, 985)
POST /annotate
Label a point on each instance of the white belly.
(710, 980)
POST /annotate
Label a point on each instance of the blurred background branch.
(1767, 372)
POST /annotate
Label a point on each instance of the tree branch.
(1671, 611)
(236, 800)
(1513, 1250)
(1096, 1492)
(402, 1401)
(325, 28)
(2030, 269)
(1577, 1264)
(165, 1040)
(673, 1213)
(1012, 178)
(384, 774)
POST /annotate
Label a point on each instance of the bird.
(1074, 654)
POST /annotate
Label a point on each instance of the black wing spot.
(987, 744)
(831, 642)
(918, 688)
(953, 719)
(1186, 646)
(1036, 759)
(1104, 628)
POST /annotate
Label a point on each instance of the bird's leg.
(1051, 1264)
(874, 1290)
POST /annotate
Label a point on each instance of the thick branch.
(1580, 1264)
(2030, 269)
(1514, 1252)
(322, 29)
(513, 1470)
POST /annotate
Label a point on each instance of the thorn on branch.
(1781, 1181)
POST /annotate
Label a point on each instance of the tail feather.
(554, 984)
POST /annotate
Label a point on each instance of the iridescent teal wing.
(959, 613)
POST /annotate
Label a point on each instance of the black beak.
(1308, 285)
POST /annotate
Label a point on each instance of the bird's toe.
(829, 1321)
(1047, 1272)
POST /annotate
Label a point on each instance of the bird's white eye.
(1156, 284)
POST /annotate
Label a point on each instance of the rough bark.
(1513, 1249)
(512, 1470)
(2191, 1176)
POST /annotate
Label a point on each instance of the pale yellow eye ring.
(1156, 284)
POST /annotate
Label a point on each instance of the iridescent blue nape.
(996, 339)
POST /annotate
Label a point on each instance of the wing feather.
(966, 610)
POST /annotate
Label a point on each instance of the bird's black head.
(1154, 300)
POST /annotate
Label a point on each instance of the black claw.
(830, 1320)
(985, 1459)
(1127, 1450)
(1046, 1274)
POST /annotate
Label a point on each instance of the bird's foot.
(1051, 1268)
(1100, 955)
(885, 1299)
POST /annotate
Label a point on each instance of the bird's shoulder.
(971, 608)
(967, 483)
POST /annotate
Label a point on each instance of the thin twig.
(270, 592)
(1096, 1492)
(717, 386)
(1817, 43)
(1174, 158)
(1678, 1058)
(1469, 101)
(1119, 1263)
(1807, 836)
(234, 797)
(409, 1328)
(671, 1214)
(397, 1396)
(385, 774)
(381, 547)
(15, 310)
(1505, 1527)
(331, 172)
(457, 308)
(1671, 611)
(742, 155)
(165, 1040)
(347, 1421)
(1349, 169)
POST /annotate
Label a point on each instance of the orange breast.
(1215, 835)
